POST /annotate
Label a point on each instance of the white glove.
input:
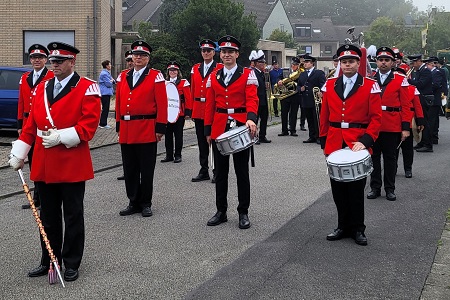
(15, 162)
(52, 139)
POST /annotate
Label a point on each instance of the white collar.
(229, 71)
(64, 81)
(353, 78)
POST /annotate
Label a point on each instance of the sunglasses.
(207, 50)
(58, 61)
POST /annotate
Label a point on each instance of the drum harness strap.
(348, 125)
(137, 117)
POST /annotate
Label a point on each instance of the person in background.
(27, 84)
(105, 82)
(276, 74)
(175, 130)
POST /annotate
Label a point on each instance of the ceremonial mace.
(52, 275)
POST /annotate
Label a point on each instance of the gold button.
(342, 114)
(46, 127)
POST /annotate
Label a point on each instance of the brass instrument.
(409, 72)
(331, 74)
(288, 87)
(318, 102)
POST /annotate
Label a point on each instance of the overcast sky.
(422, 5)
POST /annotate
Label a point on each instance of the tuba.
(288, 87)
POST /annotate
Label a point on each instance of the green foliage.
(283, 36)
(438, 33)
(168, 9)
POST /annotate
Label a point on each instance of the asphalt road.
(284, 255)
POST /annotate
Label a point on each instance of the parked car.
(9, 95)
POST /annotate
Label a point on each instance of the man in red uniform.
(395, 124)
(63, 119)
(27, 84)
(195, 108)
(350, 117)
(141, 117)
(232, 98)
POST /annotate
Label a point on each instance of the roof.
(139, 10)
(261, 8)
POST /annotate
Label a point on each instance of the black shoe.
(130, 210)
(201, 177)
(217, 219)
(310, 140)
(283, 134)
(147, 211)
(435, 142)
(373, 194)
(318, 142)
(166, 159)
(419, 145)
(121, 177)
(70, 274)
(213, 180)
(424, 149)
(302, 128)
(390, 196)
(264, 140)
(177, 159)
(244, 221)
(39, 271)
(276, 114)
(360, 238)
(408, 174)
(294, 134)
(257, 142)
(337, 234)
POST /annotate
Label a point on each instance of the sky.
(422, 5)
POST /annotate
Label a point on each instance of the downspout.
(94, 69)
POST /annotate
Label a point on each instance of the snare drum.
(346, 165)
(234, 140)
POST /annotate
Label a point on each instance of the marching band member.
(307, 81)
(175, 130)
(263, 108)
(350, 117)
(422, 80)
(195, 108)
(232, 97)
(290, 105)
(28, 82)
(63, 119)
(141, 117)
(416, 108)
(276, 74)
(395, 123)
(332, 72)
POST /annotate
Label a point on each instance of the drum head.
(232, 132)
(346, 155)
(173, 102)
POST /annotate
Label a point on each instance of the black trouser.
(275, 105)
(70, 196)
(36, 189)
(289, 111)
(302, 117)
(105, 110)
(174, 131)
(435, 133)
(203, 146)
(139, 167)
(349, 200)
(386, 144)
(407, 152)
(430, 114)
(241, 168)
(311, 117)
(263, 114)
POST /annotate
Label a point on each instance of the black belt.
(231, 110)
(137, 117)
(348, 125)
(200, 99)
(25, 115)
(413, 109)
(390, 108)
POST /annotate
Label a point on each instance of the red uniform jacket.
(78, 106)
(195, 107)
(395, 95)
(184, 90)
(26, 89)
(363, 106)
(240, 93)
(416, 107)
(147, 98)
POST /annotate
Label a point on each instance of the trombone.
(318, 103)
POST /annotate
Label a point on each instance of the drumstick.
(399, 144)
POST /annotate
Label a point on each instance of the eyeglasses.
(58, 61)
(37, 57)
(206, 50)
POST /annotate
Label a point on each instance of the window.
(327, 50)
(44, 38)
(302, 30)
(306, 49)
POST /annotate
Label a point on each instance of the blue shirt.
(275, 75)
(105, 83)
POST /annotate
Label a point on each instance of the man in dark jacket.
(263, 109)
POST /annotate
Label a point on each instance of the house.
(93, 26)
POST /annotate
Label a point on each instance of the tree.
(213, 19)
(283, 36)
(168, 9)
(438, 33)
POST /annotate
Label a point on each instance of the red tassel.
(52, 276)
